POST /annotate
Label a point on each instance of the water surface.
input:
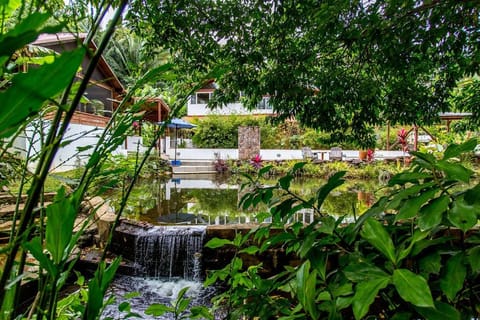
(211, 200)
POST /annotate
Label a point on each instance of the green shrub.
(413, 255)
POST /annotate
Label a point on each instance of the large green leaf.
(455, 171)
(412, 288)
(462, 215)
(377, 236)
(335, 181)
(431, 215)
(36, 249)
(218, 243)
(25, 96)
(431, 263)
(404, 177)
(97, 286)
(442, 311)
(416, 237)
(423, 245)
(25, 32)
(453, 276)
(8, 6)
(362, 271)
(454, 150)
(60, 220)
(181, 303)
(327, 224)
(365, 293)
(473, 256)
(200, 312)
(285, 181)
(377, 209)
(424, 160)
(412, 206)
(306, 288)
(472, 196)
(401, 195)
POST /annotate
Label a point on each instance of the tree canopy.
(340, 66)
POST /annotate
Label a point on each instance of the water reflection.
(206, 200)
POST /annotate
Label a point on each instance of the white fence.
(267, 154)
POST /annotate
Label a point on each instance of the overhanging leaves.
(454, 150)
(25, 96)
(25, 32)
(455, 171)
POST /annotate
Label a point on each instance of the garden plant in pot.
(366, 147)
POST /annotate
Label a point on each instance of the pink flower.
(135, 124)
(256, 161)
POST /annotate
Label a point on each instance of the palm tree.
(130, 58)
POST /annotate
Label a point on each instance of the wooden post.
(415, 141)
(388, 135)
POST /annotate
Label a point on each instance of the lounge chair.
(307, 154)
(335, 154)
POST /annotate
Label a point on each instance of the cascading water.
(167, 259)
(170, 252)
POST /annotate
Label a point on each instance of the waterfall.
(170, 252)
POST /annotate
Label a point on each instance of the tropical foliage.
(413, 255)
(222, 132)
(48, 233)
(340, 66)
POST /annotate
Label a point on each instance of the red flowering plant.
(256, 161)
(402, 139)
(370, 155)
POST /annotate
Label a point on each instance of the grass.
(52, 183)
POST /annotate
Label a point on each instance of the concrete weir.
(169, 251)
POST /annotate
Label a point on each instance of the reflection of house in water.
(204, 201)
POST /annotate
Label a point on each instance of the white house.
(198, 105)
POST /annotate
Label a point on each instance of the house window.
(203, 98)
(99, 101)
(264, 104)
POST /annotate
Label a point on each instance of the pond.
(213, 200)
(193, 202)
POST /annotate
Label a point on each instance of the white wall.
(268, 154)
(68, 156)
(228, 109)
(202, 154)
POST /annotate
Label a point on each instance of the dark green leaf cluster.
(413, 255)
(43, 99)
(339, 66)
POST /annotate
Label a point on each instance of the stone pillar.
(248, 142)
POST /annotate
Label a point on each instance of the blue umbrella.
(177, 124)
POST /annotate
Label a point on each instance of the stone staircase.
(194, 167)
